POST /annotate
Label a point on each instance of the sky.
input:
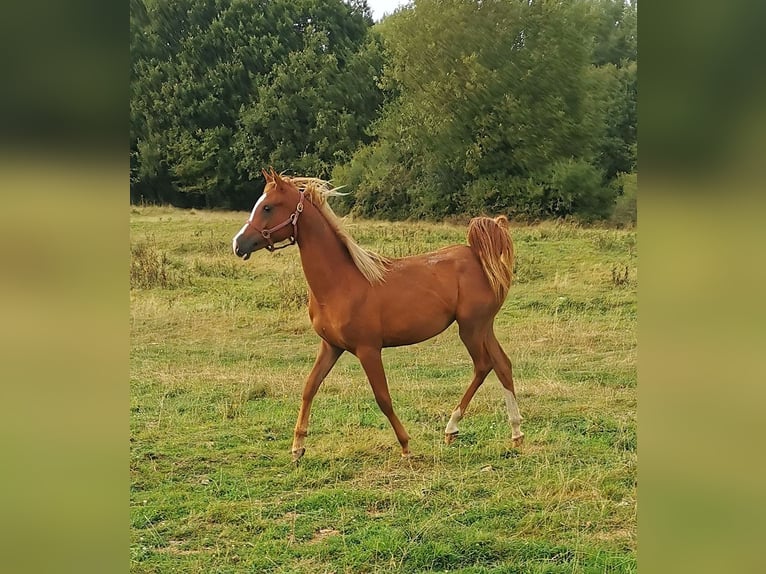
(381, 7)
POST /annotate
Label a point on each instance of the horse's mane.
(369, 263)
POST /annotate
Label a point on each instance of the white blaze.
(241, 231)
(234, 241)
(257, 203)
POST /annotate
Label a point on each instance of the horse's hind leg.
(373, 368)
(473, 339)
(504, 370)
(326, 359)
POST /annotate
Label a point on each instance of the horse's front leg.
(373, 368)
(326, 359)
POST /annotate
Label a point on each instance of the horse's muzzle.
(245, 255)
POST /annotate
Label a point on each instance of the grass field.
(219, 352)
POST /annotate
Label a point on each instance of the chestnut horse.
(361, 302)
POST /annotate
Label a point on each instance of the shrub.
(379, 186)
(625, 210)
(290, 288)
(575, 187)
(150, 268)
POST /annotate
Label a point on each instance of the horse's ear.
(267, 176)
(275, 175)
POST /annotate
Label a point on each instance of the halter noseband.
(293, 219)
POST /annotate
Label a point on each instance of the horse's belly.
(414, 327)
(416, 307)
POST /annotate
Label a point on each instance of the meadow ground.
(219, 352)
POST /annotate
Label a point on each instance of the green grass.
(219, 352)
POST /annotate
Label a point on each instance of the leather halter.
(293, 219)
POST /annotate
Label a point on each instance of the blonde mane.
(369, 263)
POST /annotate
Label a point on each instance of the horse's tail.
(491, 242)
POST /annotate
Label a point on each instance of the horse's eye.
(266, 208)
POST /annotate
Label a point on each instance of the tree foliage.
(516, 106)
(446, 107)
(221, 88)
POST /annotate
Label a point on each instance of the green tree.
(488, 98)
(222, 88)
(491, 106)
(312, 112)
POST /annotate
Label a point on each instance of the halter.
(293, 219)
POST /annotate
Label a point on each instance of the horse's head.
(273, 219)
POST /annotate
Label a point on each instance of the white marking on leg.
(514, 417)
(453, 420)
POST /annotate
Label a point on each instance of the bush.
(625, 210)
(575, 187)
(290, 288)
(378, 185)
(517, 197)
(149, 268)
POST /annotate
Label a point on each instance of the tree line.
(446, 107)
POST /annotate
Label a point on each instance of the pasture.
(220, 349)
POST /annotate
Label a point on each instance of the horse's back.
(442, 267)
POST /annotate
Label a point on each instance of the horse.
(361, 302)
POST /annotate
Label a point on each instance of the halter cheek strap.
(292, 220)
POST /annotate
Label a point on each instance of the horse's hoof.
(450, 437)
(518, 440)
(297, 454)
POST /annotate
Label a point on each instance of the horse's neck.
(325, 259)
